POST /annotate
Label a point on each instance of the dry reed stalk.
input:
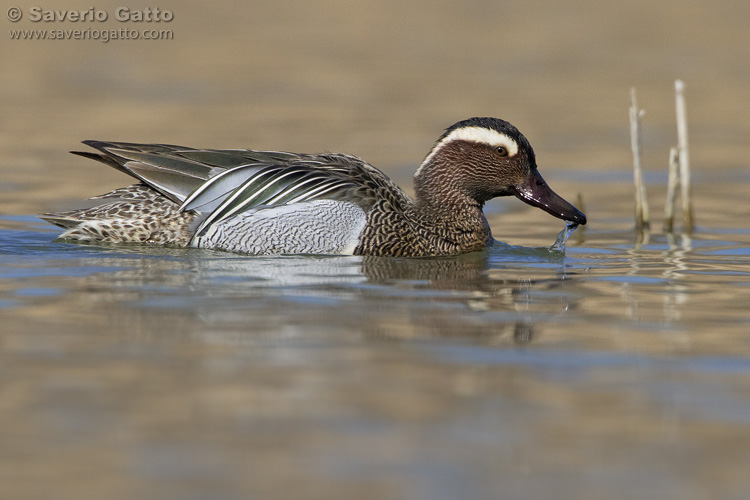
(684, 156)
(641, 204)
(672, 182)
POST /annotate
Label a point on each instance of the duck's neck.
(438, 192)
(450, 213)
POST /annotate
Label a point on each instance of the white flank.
(311, 227)
(480, 135)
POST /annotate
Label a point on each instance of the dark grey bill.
(537, 193)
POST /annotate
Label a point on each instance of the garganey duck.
(271, 202)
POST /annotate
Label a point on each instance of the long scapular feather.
(269, 186)
(211, 193)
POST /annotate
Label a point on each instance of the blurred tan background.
(376, 79)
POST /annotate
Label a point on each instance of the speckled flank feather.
(271, 202)
(134, 214)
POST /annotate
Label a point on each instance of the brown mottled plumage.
(135, 213)
(266, 202)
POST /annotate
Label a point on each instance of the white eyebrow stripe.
(484, 136)
(479, 135)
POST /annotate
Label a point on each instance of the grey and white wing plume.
(306, 207)
(255, 187)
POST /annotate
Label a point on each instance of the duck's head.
(478, 159)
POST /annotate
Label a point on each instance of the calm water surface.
(618, 369)
(199, 374)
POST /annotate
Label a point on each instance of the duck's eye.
(502, 151)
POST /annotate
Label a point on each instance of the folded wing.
(220, 185)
